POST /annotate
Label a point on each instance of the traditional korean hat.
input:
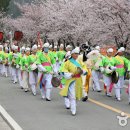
(46, 45)
(76, 50)
(50, 46)
(27, 49)
(97, 48)
(110, 50)
(34, 47)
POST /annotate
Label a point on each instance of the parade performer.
(95, 59)
(1, 55)
(120, 62)
(44, 63)
(5, 62)
(32, 67)
(14, 60)
(73, 85)
(24, 69)
(107, 74)
(61, 54)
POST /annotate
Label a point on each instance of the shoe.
(34, 94)
(26, 90)
(108, 95)
(99, 91)
(67, 108)
(118, 99)
(43, 97)
(84, 99)
(14, 82)
(21, 87)
(48, 99)
(73, 113)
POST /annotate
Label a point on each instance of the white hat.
(110, 50)
(34, 47)
(23, 48)
(27, 49)
(68, 54)
(68, 46)
(46, 45)
(1, 46)
(61, 45)
(76, 50)
(15, 47)
(50, 46)
(6, 48)
(7, 41)
(55, 47)
(39, 46)
(122, 49)
(97, 48)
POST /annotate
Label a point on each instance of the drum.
(56, 81)
(114, 77)
(34, 68)
(108, 71)
(79, 70)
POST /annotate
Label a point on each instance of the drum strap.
(75, 62)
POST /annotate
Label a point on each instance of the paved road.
(33, 113)
(3, 125)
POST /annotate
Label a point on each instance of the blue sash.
(75, 62)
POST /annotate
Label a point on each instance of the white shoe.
(43, 97)
(73, 113)
(118, 99)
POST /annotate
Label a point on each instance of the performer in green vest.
(44, 63)
(120, 62)
(1, 55)
(24, 69)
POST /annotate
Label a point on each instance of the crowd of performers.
(74, 70)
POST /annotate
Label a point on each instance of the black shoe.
(21, 87)
(48, 99)
(84, 99)
(67, 108)
(99, 91)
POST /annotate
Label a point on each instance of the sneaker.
(73, 113)
(84, 99)
(118, 99)
(48, 99)
(109, 95)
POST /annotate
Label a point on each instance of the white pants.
(70, 101)
(5, 70)
(14, 74)
(25, 80)
(46, 91)
(33, 81)
(96, 78)
(107, 82)
(1, 69)
(119, 86)
(56, 67)
(20, 78)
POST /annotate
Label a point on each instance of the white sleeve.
(67, 75)
(41, 68)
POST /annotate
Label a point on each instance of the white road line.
(11, 122)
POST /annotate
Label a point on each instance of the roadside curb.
(9, 120)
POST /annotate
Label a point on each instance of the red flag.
(18, 35)
(1, 36)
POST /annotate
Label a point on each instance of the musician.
(73, 84)
(1, 55)
(14, 59)
(120, 62)
(5, 62)
(106, 75)
(32, 74)
(96, 59)
(24, 69)
(61, 54)
(44, 63)
(68, 48)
